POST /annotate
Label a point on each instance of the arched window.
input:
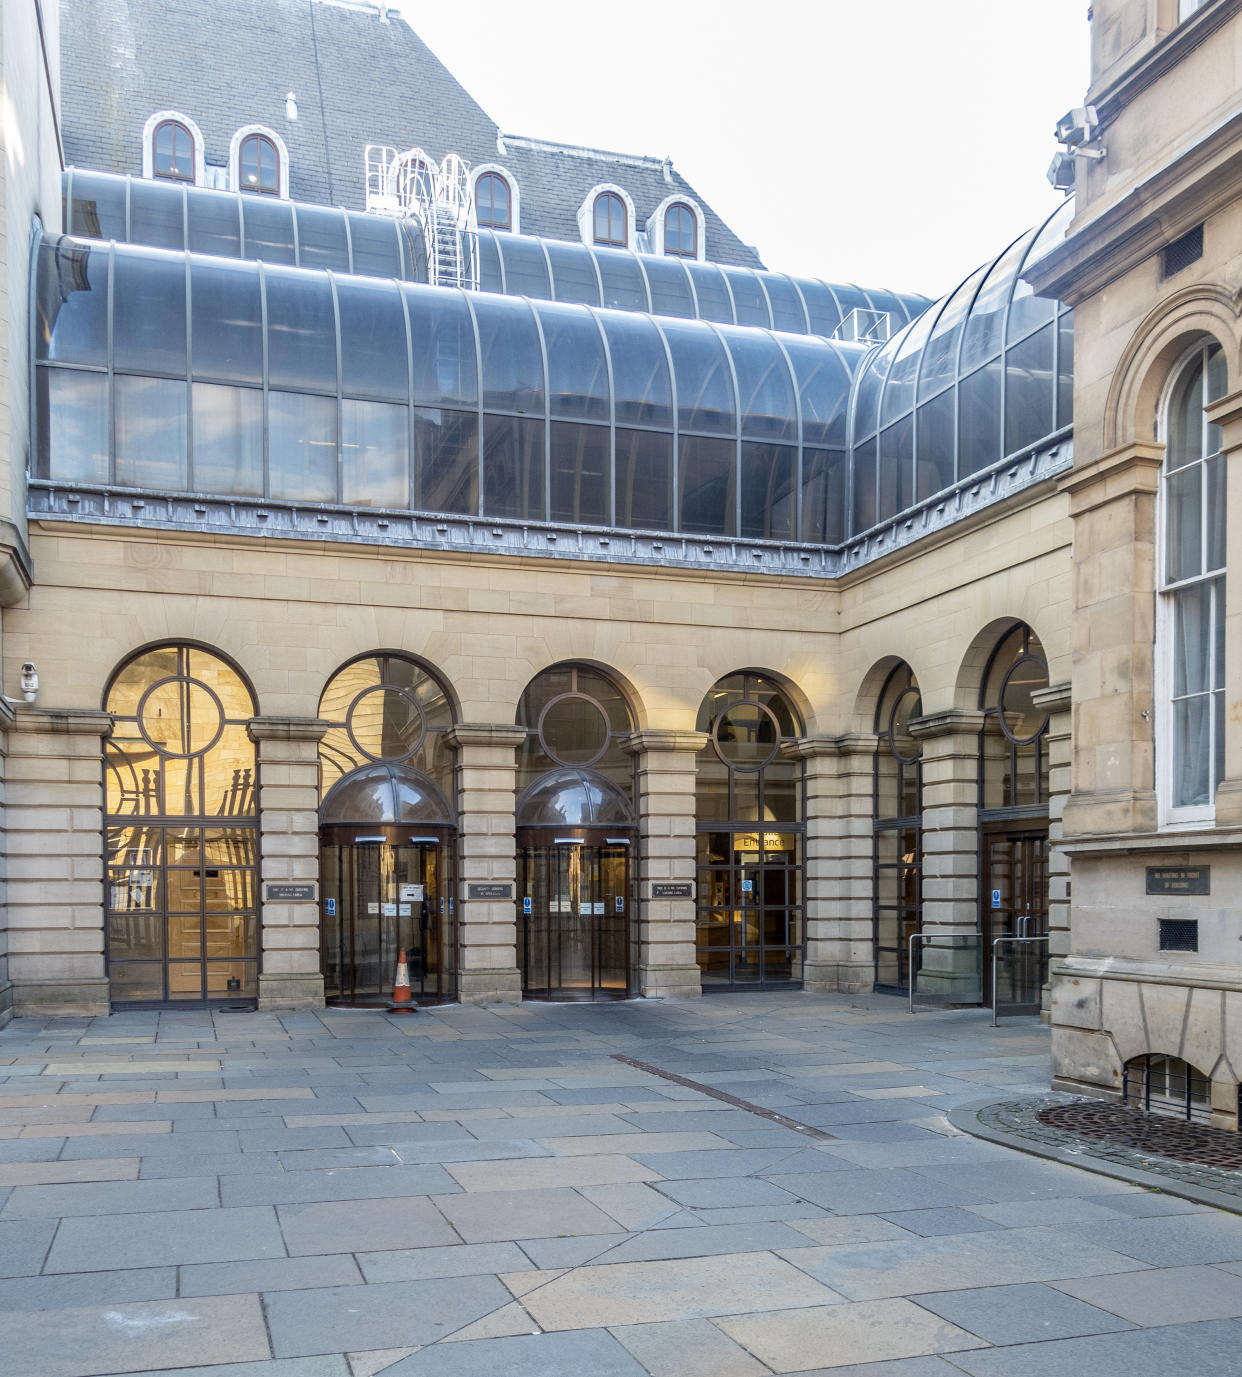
(898, 828)
(610, 220)
(1014, 741)
(258, 163)
(1190, 633)
(749, 806)
(181, 831)
(492, 202)
(681, 231)
(576, 718)
(173, 152)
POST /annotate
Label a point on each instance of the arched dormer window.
(172, 148)
(681, 231)
(259, 162)
(1190, 631)
(610, 224)
(493, 201)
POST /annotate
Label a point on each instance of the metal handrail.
(996, 941)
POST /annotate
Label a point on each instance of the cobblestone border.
(1015, 1124)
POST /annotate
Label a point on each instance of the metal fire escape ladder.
(409, 185)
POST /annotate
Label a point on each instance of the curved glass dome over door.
(984, 376)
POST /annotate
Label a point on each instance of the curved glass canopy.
(385, 795)
(985, 374)
(170, 215)
(573, 798)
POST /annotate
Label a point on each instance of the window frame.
(240, 137)
(260, 141)
(154, 124)
(477, 175)
(657, 229)
(1170, 814)
(586, 217)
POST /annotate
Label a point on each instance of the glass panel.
(373, 360)
(215, 224)
(1030, 391)
(899, 390)
(985, 327)
(714, 300)
(1184, 524)
(526, 269)
(580, 455)
(73, 425)
(979, 437)
(640, 377)
(72, 303)
(573, 273)
(577, 367)
(301, 447)
(375, 443)
(823, 391)
(97, 210)
(1192, 639)
(150, 433)
(934, 454)
(750, 303)
(489, 262)
(769, 409)
(706, 476)
(442, 334)
(823, 496)
(769, 491)
(148, 313)
(268, 229)
(1185, 439)
(228, 440)
(896, 468)
(1192, 752)
(625, 288)
(301, 331)
(321, 238)
(940, 356)
(226, 336)
(821, 306)
(670, 288)
(513, 467)
(133, 981)
(512, 358)
(863, 481)
(1065, 368)
(376, 248)
(156, 215)
(787, 312)
(866, 399)
(704, 383)
(1214, 477)
(446, 475)
(644, 480)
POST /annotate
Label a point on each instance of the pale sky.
(892, 143)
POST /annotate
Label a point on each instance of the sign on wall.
(501, 890)
(1179, 879)
(277, 892)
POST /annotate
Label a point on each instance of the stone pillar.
(840, 862)
(1055, 699)
(6, 985)
(54, 844)
(1113, 505)
(950, 742)
(288, 747)
(486, 771)
(1227, 413)
(667, 862)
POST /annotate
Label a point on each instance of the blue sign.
(996, 903)
(526, 905)
(329, 906)
(620, 902)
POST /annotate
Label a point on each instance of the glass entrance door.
(574, 921)
(377, 898)
(1015, 904)
(750, 907)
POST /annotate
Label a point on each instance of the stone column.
(288, 747)
(54, 845)
(840, 861)
(667, 862)
(1113, 505)
(1227, 413)
(1055, 700)
(6, 986)
(950, 742)
(486, 770)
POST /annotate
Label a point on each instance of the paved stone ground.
(487, 1193)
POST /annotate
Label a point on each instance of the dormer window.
(681, 231)
(172, 148)
(610, 222)
(259, 165)
(493, 203)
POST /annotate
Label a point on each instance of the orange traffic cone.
(402, 999)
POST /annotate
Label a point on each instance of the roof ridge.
(579, 150)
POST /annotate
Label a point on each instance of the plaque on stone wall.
(277, 893)
(680, 890)
(503, 890)
(1179, 879)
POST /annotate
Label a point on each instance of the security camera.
(1061, 172)
(29, 681)
(1078, 126)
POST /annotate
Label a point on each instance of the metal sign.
(502, 890)
(329, 907)
(1179, 879)
(996, 898)
(672, 891)
(277, 893)
(527, 905)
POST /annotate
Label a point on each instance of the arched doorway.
(898, 827)
(750, 809)
(387, 832)
(576, 837)
(181, 832)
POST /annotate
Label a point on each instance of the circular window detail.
(747, 736)
(902, 744)
(574, 730)
(1020, 719)
(385, 722)
(180, 717)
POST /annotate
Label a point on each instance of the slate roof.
(229, 63)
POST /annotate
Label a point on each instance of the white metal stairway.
(411, 185)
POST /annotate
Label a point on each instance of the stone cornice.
(811, 747)
(62, 721)
(1054, 698)
(466, 734)
(287, 728)
(664, 739)
(950, 722)
(16, 575)
(1123, 472)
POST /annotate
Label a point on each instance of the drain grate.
(1175, 1138)
(770, 1114)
